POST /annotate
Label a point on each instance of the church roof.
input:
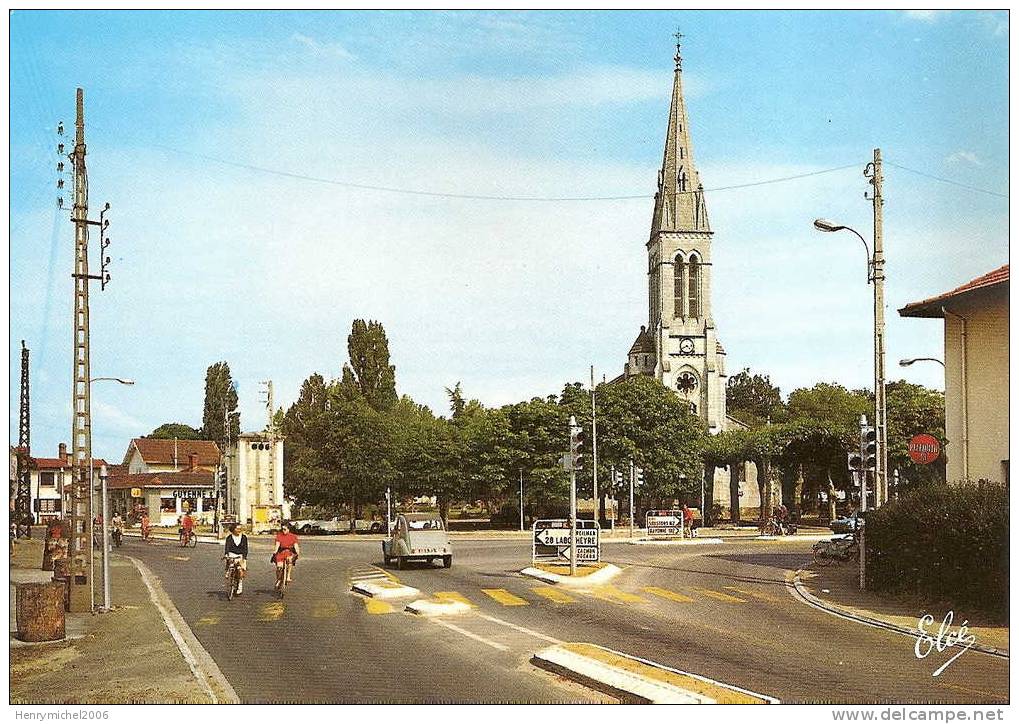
(679, 201)
(643, 343)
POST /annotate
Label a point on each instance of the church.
(679, 346)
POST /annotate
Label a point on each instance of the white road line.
(470, 635)
(521, 629)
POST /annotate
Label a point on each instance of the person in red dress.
(287, 546)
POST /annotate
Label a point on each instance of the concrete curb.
(795, 537)
(377, 590)
(603, 575)
(800, 591)
(424, 607)
(684, 542)
(202, 665)
(163, 536)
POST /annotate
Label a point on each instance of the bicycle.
(836, 551)
(771, 527)
(282, 574)
(188, 539)
(233, 576)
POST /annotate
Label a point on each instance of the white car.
(418, 536)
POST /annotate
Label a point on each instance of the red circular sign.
(924, 449)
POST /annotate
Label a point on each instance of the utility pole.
(594, 453)
(861, 524)
(272, 441)
(880, 407)
(521, 499)
(23, 493)
(632, 473)
(80, 490)
(575, 446)
(106, 540)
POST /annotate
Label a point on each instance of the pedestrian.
(688, 519)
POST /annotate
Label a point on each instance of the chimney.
(192, 462)
(63, 453)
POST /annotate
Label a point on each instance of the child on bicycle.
(235, 548)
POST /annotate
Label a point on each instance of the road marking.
(451, 596)
(504, 597)
(521, 629)
(666, 593)
(375, 606)
(720, 596)
(554, 594)
(272, 611)
(179, 558)
(325, 609)
(611, 593)
(471, 635)
(753, 594)
(210, 620)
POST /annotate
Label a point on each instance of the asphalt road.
(722, 611)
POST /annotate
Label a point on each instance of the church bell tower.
(679, 346)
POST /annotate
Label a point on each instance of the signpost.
(664, 523)
(924, 449)
(553, 541)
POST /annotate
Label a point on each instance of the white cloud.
(319, 48)
(964, 157)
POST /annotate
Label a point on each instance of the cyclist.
(236, 547)
(286, 547)
(117, 526)
(187, 524)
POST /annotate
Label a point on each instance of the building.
(48, 479)
(679, 346)
(151, 455)
(976, 374)
(255, 477)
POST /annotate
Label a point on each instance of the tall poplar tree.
(220, 400)
(369, 371)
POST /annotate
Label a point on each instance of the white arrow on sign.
(552, 537)
(585, 553)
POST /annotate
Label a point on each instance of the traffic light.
(868, 447)
(639, 477)
(855, 460)
(577, 439)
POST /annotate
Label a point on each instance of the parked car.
(418, 536)
(845, 524)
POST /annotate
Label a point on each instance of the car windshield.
(425, 524)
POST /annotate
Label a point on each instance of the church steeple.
(679, 201)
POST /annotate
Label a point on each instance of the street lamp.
(908, 362)
(91, 501)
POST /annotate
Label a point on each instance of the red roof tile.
(161, 452)
(201, 479)
(57, 463)
(932, 307)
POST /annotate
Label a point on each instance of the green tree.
(914, 409)
(752, 399)
(369, 371)
(220, 402)
(171, 430)
(305, 478)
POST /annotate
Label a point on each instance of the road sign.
(924, 449)
(664, 523)
(551, 541)
(136, 492)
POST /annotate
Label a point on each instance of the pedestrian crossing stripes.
(717, 595)
(272, 611)
(504, 597)
(753, 594)
(611, 593)
(666, 593)
(325, 609)
(554, 594)
(376, 607)
(209, 620)
(452, 596)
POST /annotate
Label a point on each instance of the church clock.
(686, 345)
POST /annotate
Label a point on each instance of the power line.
(479, 197)
(947, 181)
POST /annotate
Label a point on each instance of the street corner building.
(976, 374)
(50, 480)
(680, 345)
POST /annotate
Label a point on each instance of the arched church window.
(682, 181)
(694, 290)
(677, 270)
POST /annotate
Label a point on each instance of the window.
(678, 287)
(687, 382)
(48, 479)
(167, 505)
(694, 292)
(48, 505)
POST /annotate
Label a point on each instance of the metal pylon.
(23, 494)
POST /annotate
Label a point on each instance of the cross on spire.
(678, 58)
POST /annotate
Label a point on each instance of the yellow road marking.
(720, 596)
(554, 594)
(210, 620)
(325, 609)
(666, 593)
(179, 558)
(452, 596)
(611, 593)
(714, 690)
(753, 594)
(375, 606)
(272, 611)
(504, 597)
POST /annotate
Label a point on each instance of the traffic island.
(384, 589)
(594, 574)
(635, 680)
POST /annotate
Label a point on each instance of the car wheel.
(376, 528)
(447, 561)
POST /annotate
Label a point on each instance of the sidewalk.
(837, 588)
(126, 656)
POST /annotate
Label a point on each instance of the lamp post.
(908, 362)
(106, 518)
(875, 275)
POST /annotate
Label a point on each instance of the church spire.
(679, 201)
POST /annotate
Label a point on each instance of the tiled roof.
(199, 479)
(57, 463)
(932, 307)
(161, 452)
(643, 343)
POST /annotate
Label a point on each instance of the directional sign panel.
(551, 541)
(664, 523)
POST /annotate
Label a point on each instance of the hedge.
(943, 543)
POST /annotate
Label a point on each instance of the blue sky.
(213, 261)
